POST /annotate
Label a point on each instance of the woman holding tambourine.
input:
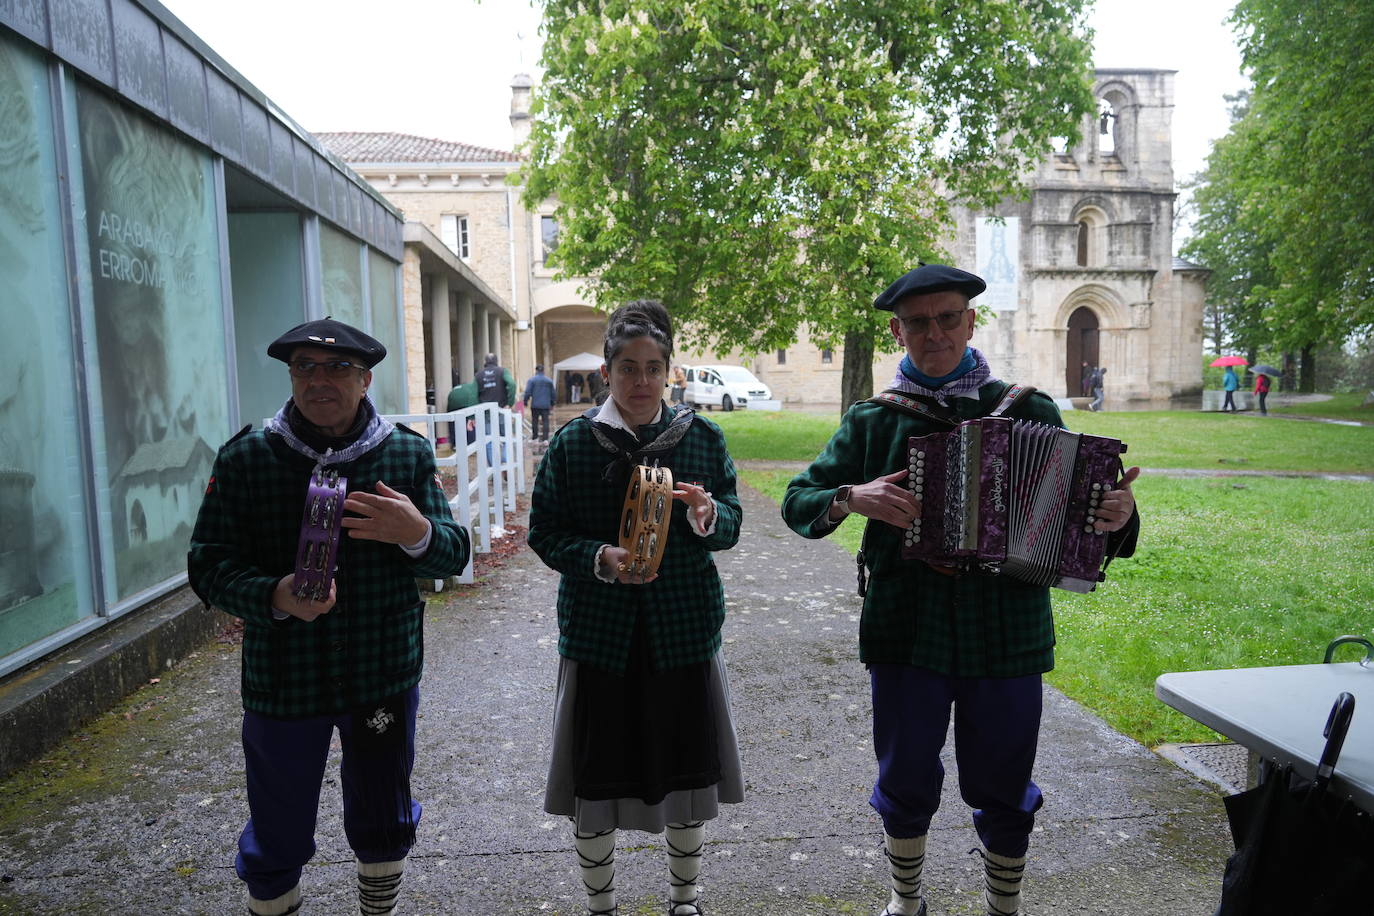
(629, 502)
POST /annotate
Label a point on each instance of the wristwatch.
(842, 497)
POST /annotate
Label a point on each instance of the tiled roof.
(1185, 264)
(361, 146)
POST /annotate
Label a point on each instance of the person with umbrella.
(1230, 382)
(1262, 376)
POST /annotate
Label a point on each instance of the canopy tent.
(582, 362)
(589, 363)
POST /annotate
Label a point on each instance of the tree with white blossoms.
(760, 167)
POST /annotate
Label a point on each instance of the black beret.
(328, 334)
(930, 278)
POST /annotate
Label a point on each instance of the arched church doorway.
(1082, 348)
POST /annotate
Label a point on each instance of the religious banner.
(997, 254)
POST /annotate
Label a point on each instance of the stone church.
(1082, 270)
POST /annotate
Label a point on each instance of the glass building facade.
(160, 223)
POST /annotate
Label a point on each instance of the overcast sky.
(442, 68)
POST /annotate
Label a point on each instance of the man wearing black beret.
(348, 659)
(935, 641)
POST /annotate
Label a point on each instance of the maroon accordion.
(1014, 497)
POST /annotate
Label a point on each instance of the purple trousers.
(996, 726)
(285, 767)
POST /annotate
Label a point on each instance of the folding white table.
(1279, 713)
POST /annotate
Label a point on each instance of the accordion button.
(1088, 529)
(1097, 486)
(920, 454)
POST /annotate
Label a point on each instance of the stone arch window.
(1116, 121)
(1090, 236)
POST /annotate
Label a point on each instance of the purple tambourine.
(319, 542)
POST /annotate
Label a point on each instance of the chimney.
(520, 86)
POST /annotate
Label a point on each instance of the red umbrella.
(1227, 361)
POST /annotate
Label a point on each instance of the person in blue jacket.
(539, 396)
(1230, 383)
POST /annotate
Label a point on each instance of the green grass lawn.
(1229, 572)
(1155, 439)
(1348, 405)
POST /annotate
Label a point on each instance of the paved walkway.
(139, 813)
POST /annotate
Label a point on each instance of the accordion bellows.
(1014, 497)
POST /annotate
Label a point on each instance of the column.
(438, 338)
(494, 335)
(483, 327)
(467, 369)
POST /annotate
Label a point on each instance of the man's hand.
(1117, 505)
(886, 500)
(387, 515)
(284, 599)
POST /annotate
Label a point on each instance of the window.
(1107, 120)
(827, 356)
(548, 234)
(782, 357)
(1083, 243)
(454, 230)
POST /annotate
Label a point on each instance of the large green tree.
(1286, 212)
(764, 166)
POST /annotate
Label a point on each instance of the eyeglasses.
(920, 324)
(334, 368)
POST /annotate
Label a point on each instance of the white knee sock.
(1003, 883)
(284, 905)
(379, 884)
(906, 857)
(685, 843)
(596, 856)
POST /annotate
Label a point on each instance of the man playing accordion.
(936, 639)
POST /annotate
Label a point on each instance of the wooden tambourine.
(644, 519)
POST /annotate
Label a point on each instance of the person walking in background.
(575, 387)
(307, 671)
(1087, 379)
(495, 385)
(679, 385)
(643, 735)
(1262, 392)
(1098, 383)
(539, 395)
(1230, 383)
(940, 641)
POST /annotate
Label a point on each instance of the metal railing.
(490, 470)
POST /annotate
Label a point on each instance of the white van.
(726, 387)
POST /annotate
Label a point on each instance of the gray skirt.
(682, 806)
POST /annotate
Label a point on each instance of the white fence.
(490, 469)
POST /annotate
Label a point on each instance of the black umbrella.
(1298, 849)
(1263, 369)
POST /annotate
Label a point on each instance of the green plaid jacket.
(971, 625)
(574, 511)
(370, 644)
